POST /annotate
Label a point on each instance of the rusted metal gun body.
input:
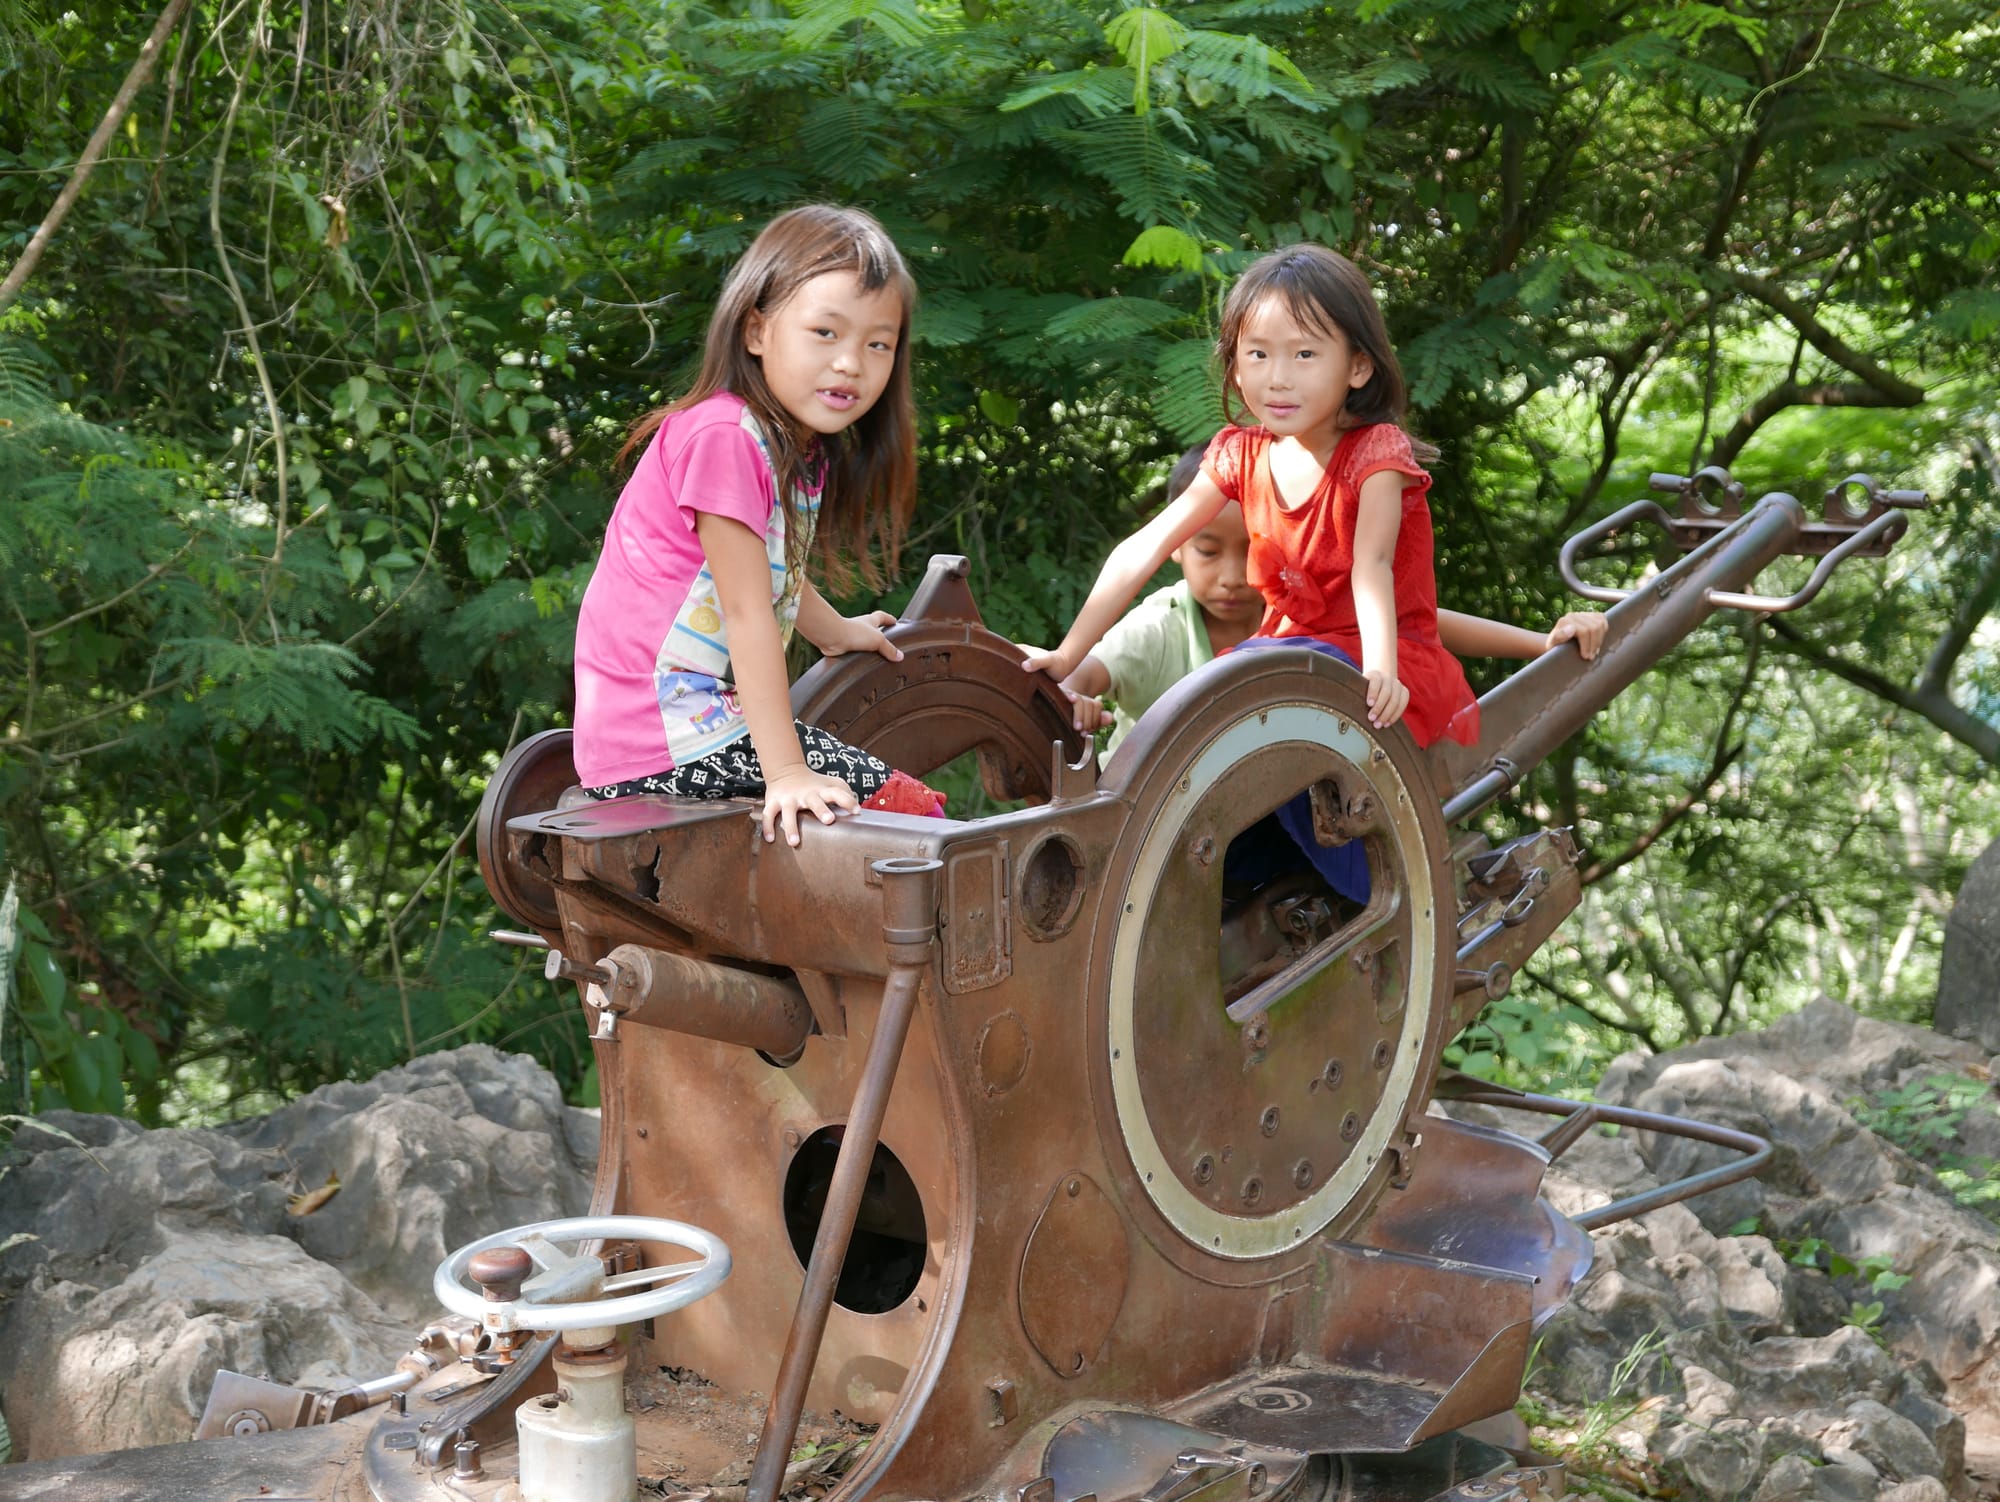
(1092, 1155)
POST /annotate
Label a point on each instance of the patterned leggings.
(734, 772)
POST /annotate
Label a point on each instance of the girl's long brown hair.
(870, 472)
(1322, 290)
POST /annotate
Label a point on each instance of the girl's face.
(828, 350)
(1293, 377)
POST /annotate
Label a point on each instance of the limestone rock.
(1832, 1178)
(1923, 1489)
(152, 1259)
(1968, 1001)
(1895, 1447)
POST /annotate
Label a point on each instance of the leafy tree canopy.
(308, 409)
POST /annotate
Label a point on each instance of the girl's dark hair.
(1186, 469)
(1324, 291)
(869, 477)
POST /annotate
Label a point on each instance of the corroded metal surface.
(1158, 1143)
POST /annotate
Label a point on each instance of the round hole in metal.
(885, 1258)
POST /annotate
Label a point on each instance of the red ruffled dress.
(1302, 562)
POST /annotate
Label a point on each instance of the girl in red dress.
(1332, 491)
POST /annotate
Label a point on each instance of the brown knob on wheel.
(500, 1271)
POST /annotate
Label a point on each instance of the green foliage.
(1874, 1273)
(307, 423)
(1925, 1118)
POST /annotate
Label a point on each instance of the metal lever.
(518, 939)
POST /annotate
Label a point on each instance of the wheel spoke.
(644, 1277)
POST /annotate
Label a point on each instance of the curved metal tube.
(1580, 1116)
(1566, 560)
(1885, 528)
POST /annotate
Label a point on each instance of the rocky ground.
(137, 1264)
(1830, 1331)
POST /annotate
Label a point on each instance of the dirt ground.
(697, 1442)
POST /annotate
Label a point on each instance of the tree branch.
(1821, 338)
(1977, 604)
(1789, 393)
(1930, 704)
(93, 152)
(1724, 757)
(1637, 1030)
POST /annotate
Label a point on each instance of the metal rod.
(1756, 1150)
(1476, 794)
(909, 928)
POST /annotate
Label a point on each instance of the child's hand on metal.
(802, 790)
(1387, 698)
(1055, 664)
(863, 633)
(1584, 627)
(1086, 712)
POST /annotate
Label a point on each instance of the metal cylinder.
(657, 988)
(580, 1445)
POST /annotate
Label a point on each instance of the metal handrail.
(1886, 528)
(1597, 532)
(1880, 532)
(1580, 1116)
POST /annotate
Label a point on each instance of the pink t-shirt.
(653, 688)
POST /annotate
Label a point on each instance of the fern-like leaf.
(1187, 390)
(1109, 318)
(899, 21)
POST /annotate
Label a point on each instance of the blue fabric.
(1342, 867)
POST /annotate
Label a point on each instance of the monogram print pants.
(734, 772)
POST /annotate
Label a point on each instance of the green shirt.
(1160, 642)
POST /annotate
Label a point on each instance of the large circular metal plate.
(958, 688)
(1253, 1126)
(530, 779)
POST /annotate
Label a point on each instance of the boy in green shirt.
(1175, 630)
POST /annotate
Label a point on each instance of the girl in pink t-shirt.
(798, 438)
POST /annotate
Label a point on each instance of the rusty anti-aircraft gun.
(1079, 1171)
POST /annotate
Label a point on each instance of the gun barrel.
(1540, 707)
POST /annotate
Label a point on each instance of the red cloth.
(1302, 562)
(903, 794)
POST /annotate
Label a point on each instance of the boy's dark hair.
(870, 474)
(1185, 471)
(1325, 291)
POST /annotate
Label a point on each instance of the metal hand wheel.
(684, 1282)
